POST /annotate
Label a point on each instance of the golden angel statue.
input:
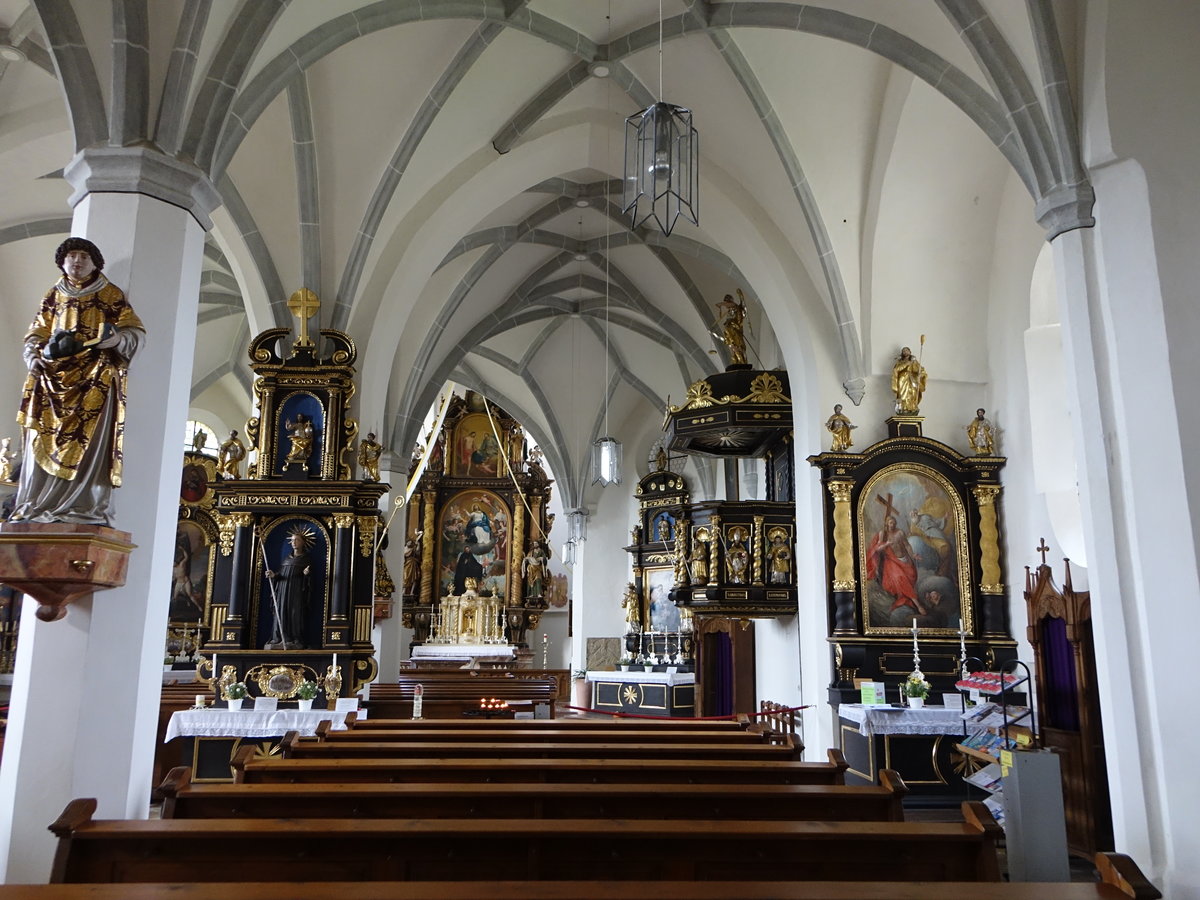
(731, 317)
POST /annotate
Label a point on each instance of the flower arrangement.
(236, 691)
(916, 686)
(307, 690)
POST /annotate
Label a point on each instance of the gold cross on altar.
(303, 304)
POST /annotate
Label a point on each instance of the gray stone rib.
(215, 98)
(222, 281)
(246, 226)
(129, 117)
(304, 148)
(76, 71)
(539, 341)
(1011, 84)
(36, 228)
(214, 298)
(210, 378)
(331, 35)
(551, 443)
(599, 329)
(168, 130)
(498, 358)
(381, 197)
(223, 311)
(1074, 208)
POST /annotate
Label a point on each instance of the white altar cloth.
(643, 677)
(873, 720)
(467, 651)
(250, 723)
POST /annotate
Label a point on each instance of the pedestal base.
(55, 563)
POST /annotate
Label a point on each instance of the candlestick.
(916, 651)
(962, 648)
(545, 650)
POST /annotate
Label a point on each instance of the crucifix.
(1042, 549)
(888, 508)
(303, 305)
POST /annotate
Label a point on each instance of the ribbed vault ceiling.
(445, 174)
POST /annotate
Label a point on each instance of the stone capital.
(1065, 208)
(143, 170)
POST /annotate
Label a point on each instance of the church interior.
(523, 371)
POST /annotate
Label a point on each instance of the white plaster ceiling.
(849, 195)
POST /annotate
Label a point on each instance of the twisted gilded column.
(757, 571)
(429, 498)
(714, 550)
(843, 536)
(989, 539)
(516, 554)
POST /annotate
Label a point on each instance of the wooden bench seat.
(486, 850)
(453, 693)
(294, 747)
(552, 771)
(529, 735)
(587, 723)
(588, 890)
(183, 800)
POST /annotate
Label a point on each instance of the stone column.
(86, 689)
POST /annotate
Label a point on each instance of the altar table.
(213, 735)
(644, 693)
(918, 743)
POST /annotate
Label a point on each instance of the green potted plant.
(916, 688)
(581, 694)
(306, 692)
(235, 694)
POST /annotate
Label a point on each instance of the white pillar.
(389, 637)
(86, 689)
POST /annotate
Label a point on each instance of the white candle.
(199, 699)
(335, 662)
(214, 671)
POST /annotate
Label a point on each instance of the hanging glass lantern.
(606, 461)
(569, 552)
(662, 160)
(577, 524)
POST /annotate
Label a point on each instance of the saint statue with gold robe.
(77, 351)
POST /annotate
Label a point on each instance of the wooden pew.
(184, 800)
(564, 724)
(299, 748)
(247, 769)
(450, 694)
(485, 733)
(486, 850)
(594, 890)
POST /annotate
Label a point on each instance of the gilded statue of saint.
(699, 565)
(302, 434)
(839, 426)
(632, 607)
(230, 455)
(369, 452)
(981, 435)
(781, 560)
(908, 383)
(77, 351)
(533, 567)
(731, 317)
(6, 460)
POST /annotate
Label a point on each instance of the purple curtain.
(724, 672)
(1060, 693)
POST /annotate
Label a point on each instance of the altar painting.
(473, 543)
(476, 453)
(913, 561)
(190, 573)
(659, 612)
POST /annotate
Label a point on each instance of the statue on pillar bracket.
(58, 546)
